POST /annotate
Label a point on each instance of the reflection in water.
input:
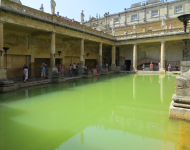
(82, 137)
(56, 117)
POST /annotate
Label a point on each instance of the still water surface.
(101, 113)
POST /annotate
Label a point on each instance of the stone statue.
(163, 22)
(42, 8)
(113, 31)
(53, 4)
(82, 17)
(163, 26)
(134, 28)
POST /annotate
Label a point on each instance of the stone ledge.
(180, 99)
(179, 113)
(9, 88)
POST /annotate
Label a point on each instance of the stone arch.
(153, 52)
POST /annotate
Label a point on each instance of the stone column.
(52, 52)
(3, 72)
(82, 52)
(113, 66)
(52, 70)
(82, 63)
(162, 69)
(100, 54)
(135, 57)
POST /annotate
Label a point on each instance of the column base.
(8, 86)
(81, 69)
(113, 67)
(3, 75)
(52, 71)
(162, 71)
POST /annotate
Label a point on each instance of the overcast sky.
(73, 8)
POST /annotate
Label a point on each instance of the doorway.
(128, 63)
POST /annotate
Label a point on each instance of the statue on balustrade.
(53, 4)
(113, 31)
(163, 24)
(82, 17)
(42, 8)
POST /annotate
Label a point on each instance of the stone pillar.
(82, 52)
(82, 63)
(3, 72)
(162, 69)
(52, 52)
(113, 66)
(135, 57)
(100, 54)
(52, 70)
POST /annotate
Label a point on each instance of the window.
(178, 9)
(154, 13)
(134, 17)
(116, 20)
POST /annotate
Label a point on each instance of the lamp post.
(185, 18)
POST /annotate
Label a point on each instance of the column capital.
(163, 41)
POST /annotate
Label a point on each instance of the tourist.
(131, 32)
(78, 66)
(143, 66)
(125, 67)
(25, 74)
(73, 20)
(151, 66)
(60, 68)
(57, 68)
(23, 77)
(106, 64)
(57, 14)
(70, 70)
(74, 69)
(126, 32)
(159, 65)
(169, 67)
(176, 66)
(166, 66)
(170, 26)
(43, 71)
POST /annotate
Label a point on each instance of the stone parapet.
(180, 106)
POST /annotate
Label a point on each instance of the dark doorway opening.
(128, 63)
(91, 63)
(58, 61)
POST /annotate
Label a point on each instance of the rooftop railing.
(24, 10)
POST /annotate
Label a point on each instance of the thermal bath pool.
(102, 113)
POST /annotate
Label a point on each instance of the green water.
(102, 113)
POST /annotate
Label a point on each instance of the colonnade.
(135, 58)
(3, 73)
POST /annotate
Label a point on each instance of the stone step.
(181, 100)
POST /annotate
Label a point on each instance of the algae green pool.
(102, 113)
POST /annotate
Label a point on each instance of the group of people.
(73, 20)
(151, 66)
(127, 32)
(72, 69)
(59, 68)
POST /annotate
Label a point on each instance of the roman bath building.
(34, 37)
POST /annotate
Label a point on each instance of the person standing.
(125, 67)
(23, 77)
(176, 66)
(60, 68)
(159, 65)
(143, 66)
(70, 70)
(25, 72)
(170, 26)
(74, 69)
(73, 20)
(169, 67)
(151, 67)
(43, 71)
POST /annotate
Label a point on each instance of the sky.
(73, 8)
